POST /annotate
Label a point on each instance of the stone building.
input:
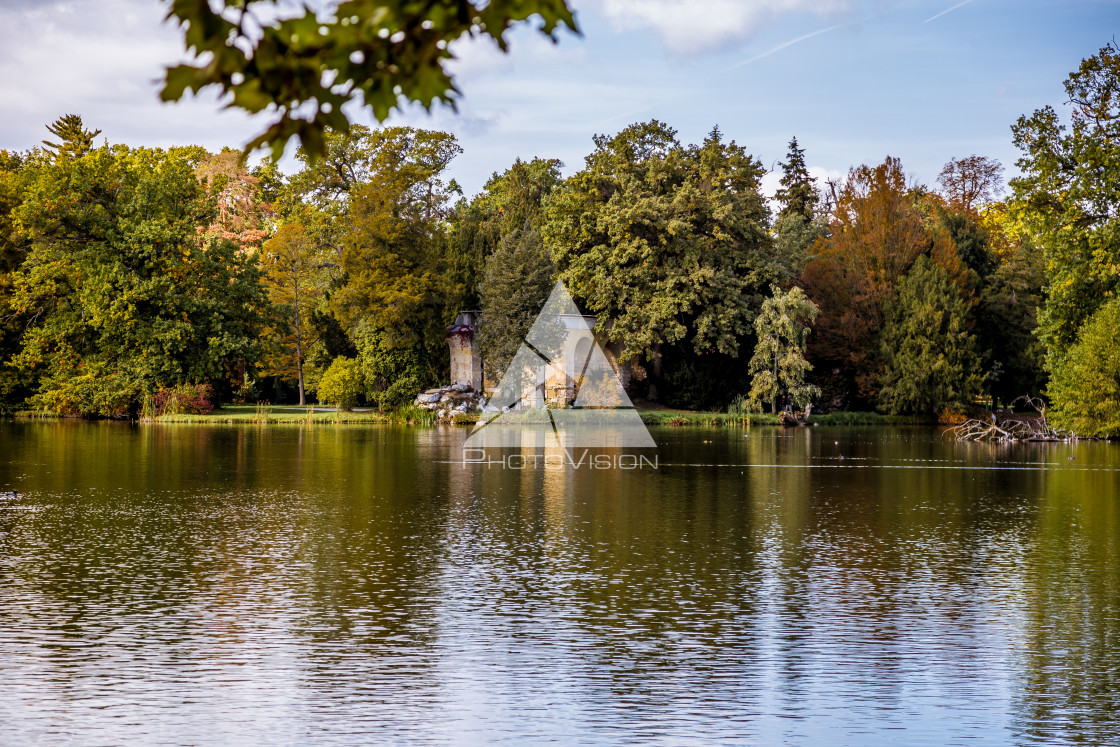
(466, 357)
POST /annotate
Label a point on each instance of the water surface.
(193, 584)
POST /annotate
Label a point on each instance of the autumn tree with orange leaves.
(877, 231)
(241, 215)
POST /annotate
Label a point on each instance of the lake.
(348, 585)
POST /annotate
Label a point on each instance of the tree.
(508, 202)
(969, 237)
(516, 284)
(391, 374)
(1007, 316)
(666, 243)
(121, 296)
(294, 278)
(929, 356)
(878, 230)
(798, 226)
(798, 192)
(392, 239)
(382, 52)
(971, 182)
(1069, 196)
(13, 250)
(779, 364)
(1085, 382)
(74, 140)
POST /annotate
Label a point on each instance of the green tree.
(929, 356)
(382, 52)
(391, 374)
(342, 383)
(294, 277)
(798, 225)
(392, 239)
(667, 244)
(794, 238)
(1069, 196)
(74, 140)
(123, 298)
(519, 276)
(13, 249)
(970, 238)
(778, 365)
(798, 192)
(1085, 383)
(508, 202)
(1007, 321)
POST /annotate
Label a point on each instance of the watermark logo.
(560, 394)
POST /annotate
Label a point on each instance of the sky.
(853, 80)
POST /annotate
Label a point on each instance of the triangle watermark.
(560, 390)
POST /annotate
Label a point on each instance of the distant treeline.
(130, 272)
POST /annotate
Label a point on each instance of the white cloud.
(104, 61)
(688, 27)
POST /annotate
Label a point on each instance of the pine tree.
(517, 280)
(74, 139)
(798, 194)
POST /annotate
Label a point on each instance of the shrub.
(184, 399)
(342, 383)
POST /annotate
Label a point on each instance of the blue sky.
(854, 80)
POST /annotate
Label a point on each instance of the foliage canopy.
(305, 67)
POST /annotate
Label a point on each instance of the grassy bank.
(867, 418)
(274, 414)
(689, 417)
(315, 415)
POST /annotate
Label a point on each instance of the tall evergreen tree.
(508, 202)
(798, 193)
(797, 226)
(516, 284)
(74, 140)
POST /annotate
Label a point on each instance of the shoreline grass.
(868, 418)
(317, 415)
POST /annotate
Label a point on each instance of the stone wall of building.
(466, 358)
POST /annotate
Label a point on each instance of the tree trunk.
(774, 395)
(299, 349)
(299, 371)
(652, 393)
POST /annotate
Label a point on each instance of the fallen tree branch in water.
(1013, 429)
